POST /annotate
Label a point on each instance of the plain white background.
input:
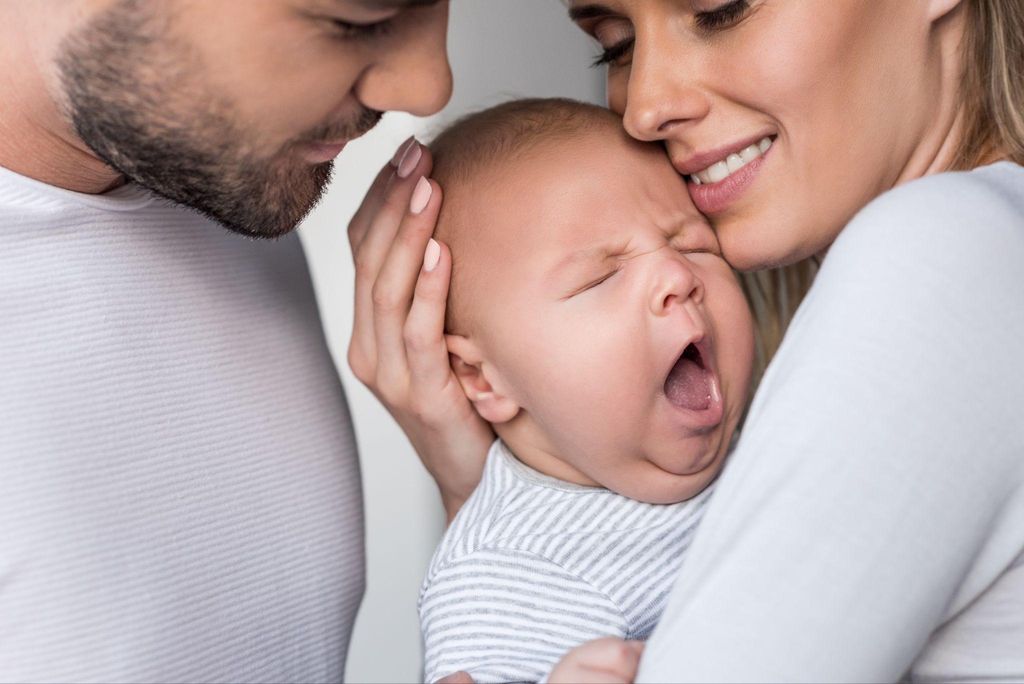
(499, 49)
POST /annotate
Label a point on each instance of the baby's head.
(591, 317)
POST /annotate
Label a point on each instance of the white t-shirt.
(870, 524)
(179, 489)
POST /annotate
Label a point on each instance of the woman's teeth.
(721, 170)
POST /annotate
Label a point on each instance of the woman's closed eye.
(722, 17)
(615, 52)
(616, 37)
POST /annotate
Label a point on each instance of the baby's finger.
(424, 328)
(393, 291)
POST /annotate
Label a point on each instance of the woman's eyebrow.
(581, 12)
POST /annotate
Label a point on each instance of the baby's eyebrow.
(586, 255)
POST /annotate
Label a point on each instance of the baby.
(592, 321)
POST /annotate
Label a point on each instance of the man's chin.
(273, 213)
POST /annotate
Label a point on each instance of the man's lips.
(320, 152)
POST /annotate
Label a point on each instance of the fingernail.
(409, 160)
(484, 396)
(400, 152)
(431, 256)
(420, 196)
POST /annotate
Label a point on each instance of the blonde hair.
(774, 295)
(992, 101)
(992, 86)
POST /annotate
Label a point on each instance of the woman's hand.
(601, 661)
(397, 347)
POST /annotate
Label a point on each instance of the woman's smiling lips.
(717, 178)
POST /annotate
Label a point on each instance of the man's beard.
(137, 101)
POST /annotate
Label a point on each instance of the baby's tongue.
(687, 385)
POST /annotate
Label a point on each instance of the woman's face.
(786, 116)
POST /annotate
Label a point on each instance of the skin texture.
(581, 301)
(821, 76)
(859, 96)
(263, 77)
(224, 107)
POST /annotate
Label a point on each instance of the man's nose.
(662, 95)
(414, 76)
(675, 282)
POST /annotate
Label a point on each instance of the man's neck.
(35, 138)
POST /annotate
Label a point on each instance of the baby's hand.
(601, 661)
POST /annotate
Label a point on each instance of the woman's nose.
(662, 96)
(413, 76)
(675, 283)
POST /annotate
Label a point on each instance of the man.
(179, 489)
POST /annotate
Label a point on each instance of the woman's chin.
(758, 240)
(749, 248)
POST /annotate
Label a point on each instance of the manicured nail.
(431, 256)
(409, 160)
(400, 152)
(484, 396)
(420, 196)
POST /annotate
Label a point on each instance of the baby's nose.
(675, 282)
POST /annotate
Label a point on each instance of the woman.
(870, 523)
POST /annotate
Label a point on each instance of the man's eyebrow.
(395, 4)
(581, 12)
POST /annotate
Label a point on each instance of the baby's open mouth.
(689, 383)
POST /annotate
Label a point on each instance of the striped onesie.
(533, 566)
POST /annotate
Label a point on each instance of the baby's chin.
(654, 484)
(677, 479)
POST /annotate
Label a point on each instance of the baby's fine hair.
(487, 141)
(494, 135)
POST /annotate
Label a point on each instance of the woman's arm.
(397, 347)
(877, 488)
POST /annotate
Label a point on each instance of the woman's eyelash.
(613, 53)
(350, 30)
(723, 17)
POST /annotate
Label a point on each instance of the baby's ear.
(477, 380)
